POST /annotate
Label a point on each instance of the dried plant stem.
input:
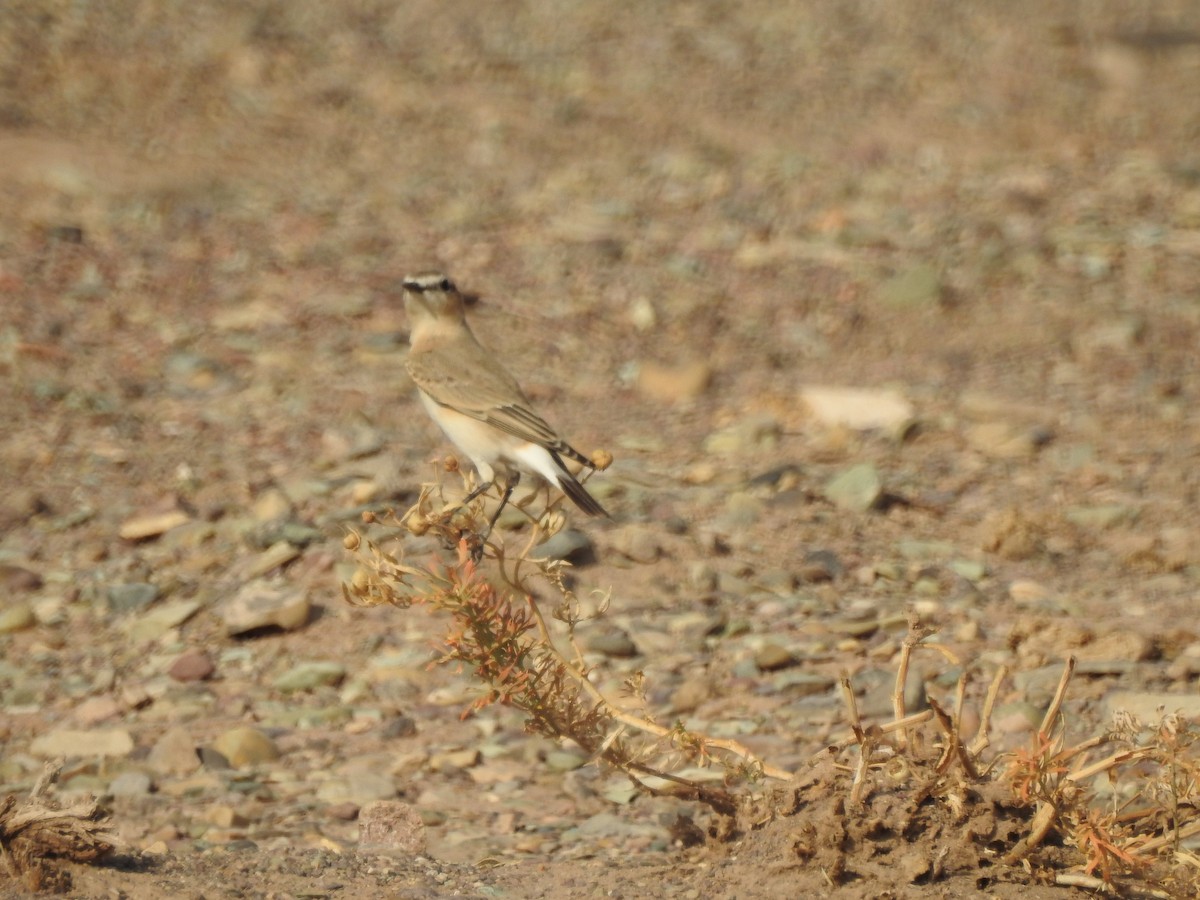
(639, 723)
(1043, 821)
(954, 748)
(1052, 712)
(1168, 840)
(906, 649)
(851, 707)
(1092, 883)
(982, 736)
(1116, 759)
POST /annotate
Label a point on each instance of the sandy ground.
(676, 218)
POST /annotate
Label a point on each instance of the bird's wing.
(476, 385)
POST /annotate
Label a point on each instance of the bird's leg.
(448, 515)
(510, 485)
(475, 493)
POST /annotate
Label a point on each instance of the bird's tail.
(579, 496)
(573, 489)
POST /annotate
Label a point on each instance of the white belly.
(488, 447)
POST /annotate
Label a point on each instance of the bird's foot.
(475, 545)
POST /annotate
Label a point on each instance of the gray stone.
(570, 544)
(819, 566)
(614, 642)
(756, 433)
(264, 605)
(130, 784)
(564, 760)
(1017, 718)
(161, 619)
(309, 675)
(1039, 685)
(133, 596)
(796, 683)
(638, 543)
(857, 489)
(360, 788)
(741, 511)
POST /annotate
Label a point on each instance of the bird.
(477, 403)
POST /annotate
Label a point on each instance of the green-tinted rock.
(857, 489)
(130, 597)
(918, 286)
(1099, 518)
(309, 675)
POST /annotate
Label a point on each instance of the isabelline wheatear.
(477, 403)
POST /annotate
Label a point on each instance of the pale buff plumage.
(474, 399)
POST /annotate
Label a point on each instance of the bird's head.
(431, 295)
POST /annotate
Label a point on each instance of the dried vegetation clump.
(37, 831)
(911, 801)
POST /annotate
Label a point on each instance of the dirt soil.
(676, 219)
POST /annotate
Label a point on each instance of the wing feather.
(476, 385)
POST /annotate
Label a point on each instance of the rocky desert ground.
(880, 308)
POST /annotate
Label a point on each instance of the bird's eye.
(446, 285)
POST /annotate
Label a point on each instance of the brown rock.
(245, 747)
(672, 384)
(1011, 534)
(771, 657)
(17, 578)
(94, 710)
(192, 665)
(149, 525)
(174, 753)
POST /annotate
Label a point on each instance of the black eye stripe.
(421, 286)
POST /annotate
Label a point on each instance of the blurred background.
(674, 215)
(707, 202)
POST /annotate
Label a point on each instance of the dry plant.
(1110, 813)
(1103, 813)
(37, 830)
(504, 637)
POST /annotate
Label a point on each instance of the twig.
(1055, 707)
(982, 737)
(1108, 762)
(639, 723)
(1092, 883)
(851, 707)
(1187, 831)
(1043, 821)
